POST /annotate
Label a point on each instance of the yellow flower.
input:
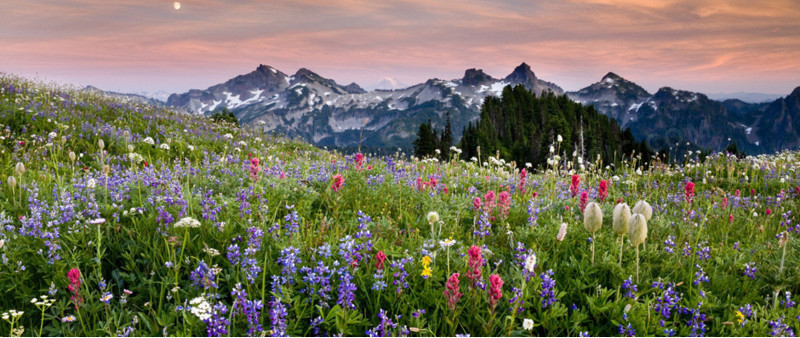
(426, 261)
(739, 316)
(426, 272)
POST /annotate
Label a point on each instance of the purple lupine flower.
(401, 274)
(626, 331)
(203, 276)
(250, 308)
(697, 322)
(780, 329)
(787, 301)
(667, 302)
(346, 290)
(687, 249)
(314, 324)
(384, 327)
(548, 293)
(516, 295)
(317, 281)
(750, 270)
(484, 226)
(630, 288)
(290, 221)
(703, 251)
(669, 244)
(217, 324)
(700, 275)
(277, 312)
(288, 260)
(747, 313)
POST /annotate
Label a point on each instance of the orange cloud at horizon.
(706, 45)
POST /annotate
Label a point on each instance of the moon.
(176, 5)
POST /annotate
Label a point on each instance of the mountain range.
(327, 113)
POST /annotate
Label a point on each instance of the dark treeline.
(522, 127)
(429, 140)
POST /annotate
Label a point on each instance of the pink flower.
(752, 192)
(689, 191)
(575, 186)
(359, 160)
(475, 264)
(738, 193)
(476, 203)
(562, 232)
(451, 291)
(380, 257)
(523, 175)
(489, 202)
(432, 182)
(338, 183)
(504, 202)
(730, 218)
(535, 193)
(724, 203)
(74, 276)
(584, 200)
(769, 211)
(602, 191)
(495, 290)
(254, 169)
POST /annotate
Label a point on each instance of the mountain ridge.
(324, 112)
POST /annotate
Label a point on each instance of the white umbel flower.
(164, 146)
(91, 183)
(201, 308)
(527, 324)
(149, 140)
(187, 222)
(622, 215)
(644, 208)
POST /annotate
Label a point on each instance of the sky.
(711, 46)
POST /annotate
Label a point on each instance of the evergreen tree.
(521, 127)
(446, 140)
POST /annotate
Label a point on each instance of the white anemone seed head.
(19, 168)
(433, 217)
(622, 215)
(637, 229)
(12, 182)
(592, 217)
(644, 208)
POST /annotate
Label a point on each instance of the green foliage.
(224, 115)
(522, 127)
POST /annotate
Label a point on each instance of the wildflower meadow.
(126, 219)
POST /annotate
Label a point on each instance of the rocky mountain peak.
(521, 74)
(474, 77)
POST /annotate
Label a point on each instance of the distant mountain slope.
(326, 113)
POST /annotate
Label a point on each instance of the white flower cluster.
(149, 140)
(164, 146)
(135, 158)
(187, 222)
(201, 308)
